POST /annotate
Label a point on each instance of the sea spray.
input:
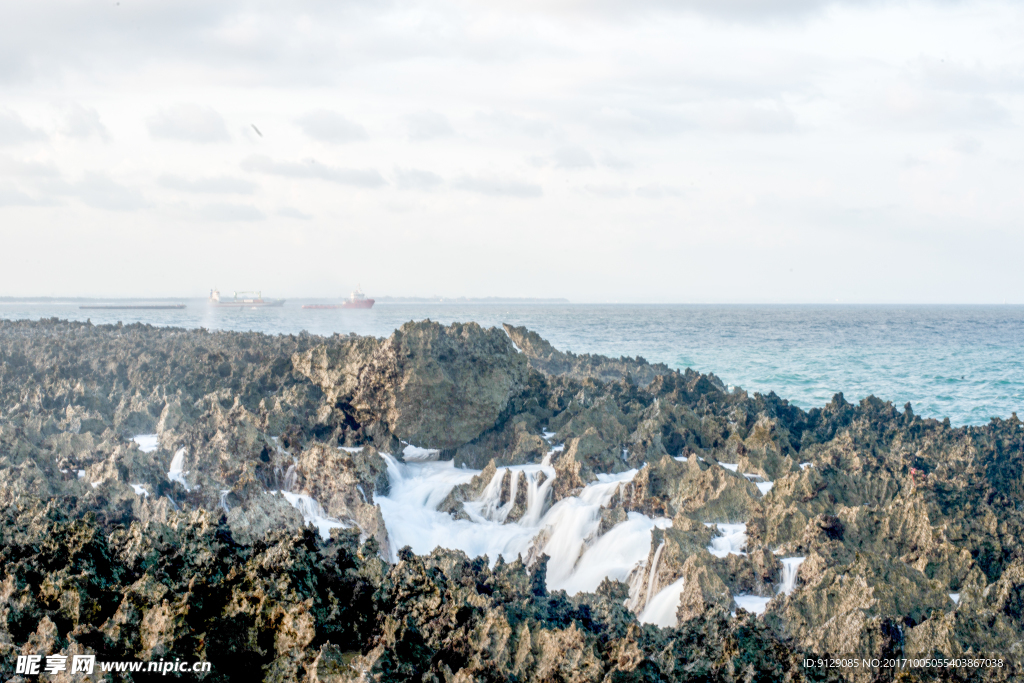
(537, 494)
(177, 471)
(652, 574)
(488, 505)
(732, 541)
(290, 477)
(580, 558)
(755, 604)
(416, 454)
(790, 565)
(661, 609)
(147, 442)
(412, 519)
(611, 555)
(312, 512)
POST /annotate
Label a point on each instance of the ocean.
(960, 362)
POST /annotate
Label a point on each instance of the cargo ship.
(356, 300)
(243, 300)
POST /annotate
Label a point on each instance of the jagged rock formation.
(552, 362)
(157, 486)
(436, 386)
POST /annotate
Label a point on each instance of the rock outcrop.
(185, 494)
(430, 385)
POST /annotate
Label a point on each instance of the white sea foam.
(752, 603)
(790, 565)
(147, 442)
(567, 532)
(311, 511)
(290, 476)
(416, 454)
(731, 542)
(177, 473)
(488, 505)
(661, 609)
(140, 490)
(613, 555)
(763, 485)
(652, 575)
(412, 519)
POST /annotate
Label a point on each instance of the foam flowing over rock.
(789, 572)
(661, 609)
(567, 533)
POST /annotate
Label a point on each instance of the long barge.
(160, 307)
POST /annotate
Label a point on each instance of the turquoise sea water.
(961, 362)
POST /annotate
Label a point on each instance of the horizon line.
(413, 300)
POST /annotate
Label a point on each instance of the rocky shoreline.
(227, 496)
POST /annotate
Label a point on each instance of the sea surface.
(961, 362)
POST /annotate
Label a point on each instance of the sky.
(686, 151)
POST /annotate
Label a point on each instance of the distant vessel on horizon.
(243, 300)
(134, 307)
(356, 300)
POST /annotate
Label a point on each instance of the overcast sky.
(642, 150)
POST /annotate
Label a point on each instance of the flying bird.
(256, 129)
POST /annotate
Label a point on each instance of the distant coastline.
(466, 300)
(382, 299)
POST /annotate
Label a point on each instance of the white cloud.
(658, 191)
(494, 186)
(231, 213)
(10, 166)
(748, 117)
(613, 191)
(428, 125)
(310, 168)
(188, 123)
(572, 157)
(292, 212)
(209, 185)
(100, 191)
(12, 196)
(83, 123)
(14, 131)
(915, 108)
(329, 126)
(416, 179)
(513, 122)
